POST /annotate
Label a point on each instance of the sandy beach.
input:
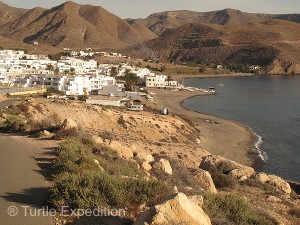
(218, 136)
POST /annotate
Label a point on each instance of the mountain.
(75, 26)
(258, 43)
(164, 21)
(8, 13)
(223, 36)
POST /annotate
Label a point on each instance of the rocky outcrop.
(218, 164)
(45, 134)
(69, 124)
(146, 166)
(295, 186)
(163, 165)
(175, 209)
(204, 179)
(275, 181)
(122, 150)
(144, 159)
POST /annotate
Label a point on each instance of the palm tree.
(114, 71)
(131, 80)
(50, 67)
(72, 70)
(66, 72)
(56, 71)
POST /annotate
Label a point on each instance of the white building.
(156, 81)
(160, 81)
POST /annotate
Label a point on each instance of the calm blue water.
(270, 105)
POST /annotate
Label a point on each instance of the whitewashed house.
(156, 81)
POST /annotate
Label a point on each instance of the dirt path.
(22, 185)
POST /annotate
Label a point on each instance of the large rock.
(122, 150)
(163, 165)
(205, 181)
(69, 124)
(175, 209)
(144, 157)
(146, 166)
(275, 181)
(218, 164)
(98, 164)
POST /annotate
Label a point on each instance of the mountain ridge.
(74, 25)
(221, 36)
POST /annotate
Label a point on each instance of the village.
(77, 76)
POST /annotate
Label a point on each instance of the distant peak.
(70, 4)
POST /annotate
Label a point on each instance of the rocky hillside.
(75, 26)
(8, 13)
(161, 22)
(159, 150)
(261, 43)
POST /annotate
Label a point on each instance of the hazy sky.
(143, 8)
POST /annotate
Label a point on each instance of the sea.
(268, 105)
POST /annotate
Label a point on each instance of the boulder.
(204, 179)
(262, 177)
(163, 165)
(144, 157)
(122, 150)
(98, 164)
(218, 164)
(146, 166)
(69, 124)
(175, 209)
(272, 198)
(275, 181)
(45, 133)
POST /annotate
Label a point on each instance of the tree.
(114, 71)
(201, 69)
(131, 80)
(163, 68)
(66, 72)
(169, 78)
(56, 71)
(50, 67)
(72, 70)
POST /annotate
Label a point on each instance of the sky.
(143, 8)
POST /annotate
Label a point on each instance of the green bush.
(79, 183)
(93, 189)
(268, 188)
(82, 98)
(14, 123)
(232, 209)
(73, 157)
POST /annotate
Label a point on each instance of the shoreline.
(219, 136)
(181, 77)
(254, 152)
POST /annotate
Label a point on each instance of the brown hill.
(164, 21)
(253, 43)
(76, 26)
(42, 49)
(8, 13)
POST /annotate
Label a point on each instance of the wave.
(263, 155)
